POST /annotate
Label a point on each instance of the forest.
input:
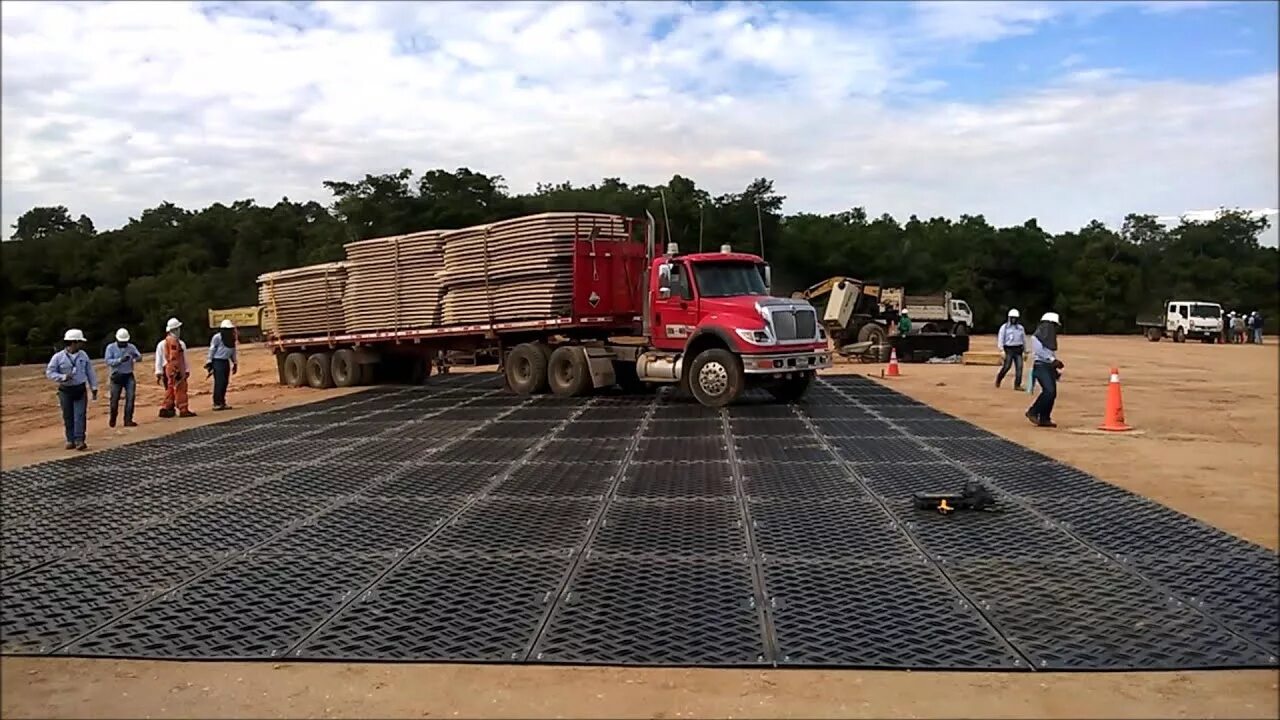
(60, 272)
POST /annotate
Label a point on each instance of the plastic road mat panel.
(455, 522)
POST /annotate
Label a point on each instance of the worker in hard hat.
(120, 357)
(1011, 339)
(73, 371)
(904, 323)
(222, 362)
(1045, 370)
(174, 371)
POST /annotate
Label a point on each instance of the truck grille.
(794, 324)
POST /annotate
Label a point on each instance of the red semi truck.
(704, 321)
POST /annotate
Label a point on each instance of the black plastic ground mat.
(456, 522)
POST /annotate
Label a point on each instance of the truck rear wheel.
(318, 373)
(960, 330)
(715, 377)
(1153, 334)
(874, 333)
(567, 372)
(344, 368)
(295, 369)
(526, 369)
(793, 388)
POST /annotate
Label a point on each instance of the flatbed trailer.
(703, 321)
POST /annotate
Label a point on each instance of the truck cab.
(714, 329)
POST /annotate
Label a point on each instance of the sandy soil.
(1209, 448)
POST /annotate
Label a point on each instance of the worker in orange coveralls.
(175, 372)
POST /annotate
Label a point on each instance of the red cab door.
(676, 316)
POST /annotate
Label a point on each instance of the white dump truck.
(936, 313)
(1185, 319)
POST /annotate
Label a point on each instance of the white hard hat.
(172, 325)
(226, 323)
(1050, 317)
(1013, 312)
(122, 335)
(904, 312)
(73, 335)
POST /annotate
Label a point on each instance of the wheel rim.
(713, 378)
(523, 369)
(564, 375)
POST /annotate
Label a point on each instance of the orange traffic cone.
(893, 363)
(1114, 419)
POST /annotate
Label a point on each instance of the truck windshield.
(1206, 311)
(726, 279)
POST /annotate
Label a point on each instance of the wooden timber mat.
(303, 301)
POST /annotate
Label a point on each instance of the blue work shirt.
(120, 359)
(218, 350)
(1011, 335)
(71, 369)
(1041, 353)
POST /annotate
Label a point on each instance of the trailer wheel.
(295, 369)
(1179, 336)
(526, 369)
(1153, 334)
(344, 369)
(567, 372)
(793, 388)
(715, 377)
(318, 374)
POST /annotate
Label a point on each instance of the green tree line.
(59, 271)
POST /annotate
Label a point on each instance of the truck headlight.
(756, 337)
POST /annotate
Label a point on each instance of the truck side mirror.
(768, 278)
(664, 281)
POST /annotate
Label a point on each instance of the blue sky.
(1061, 111)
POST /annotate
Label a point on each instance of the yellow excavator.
(854, 316)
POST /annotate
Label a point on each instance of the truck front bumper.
(786, 363)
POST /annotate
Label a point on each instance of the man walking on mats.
(1011, 340)
(174, 371)
(72, 370)
(1045, 370)
(120, 357)
(222, 362)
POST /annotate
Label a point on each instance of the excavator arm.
(822, 288)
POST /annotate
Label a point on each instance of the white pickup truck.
(1185, 319)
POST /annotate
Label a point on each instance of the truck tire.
(1153, 334)
(715, 377)
(960, 330)
(567, 372)
(318, 372)
(1179, 336)
(526, 369)
(873, 332)
(295, 369)
(344, 369)
(793, 388)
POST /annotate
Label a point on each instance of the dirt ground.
(1208, 416)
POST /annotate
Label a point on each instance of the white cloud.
(113, 108)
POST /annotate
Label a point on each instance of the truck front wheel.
(793, 388)
(715, 377)
(567, 372)
(526, 369)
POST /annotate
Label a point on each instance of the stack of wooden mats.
(517, 269)
(393, 283)
(303, 301)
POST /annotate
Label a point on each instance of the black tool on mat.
(974, 496)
